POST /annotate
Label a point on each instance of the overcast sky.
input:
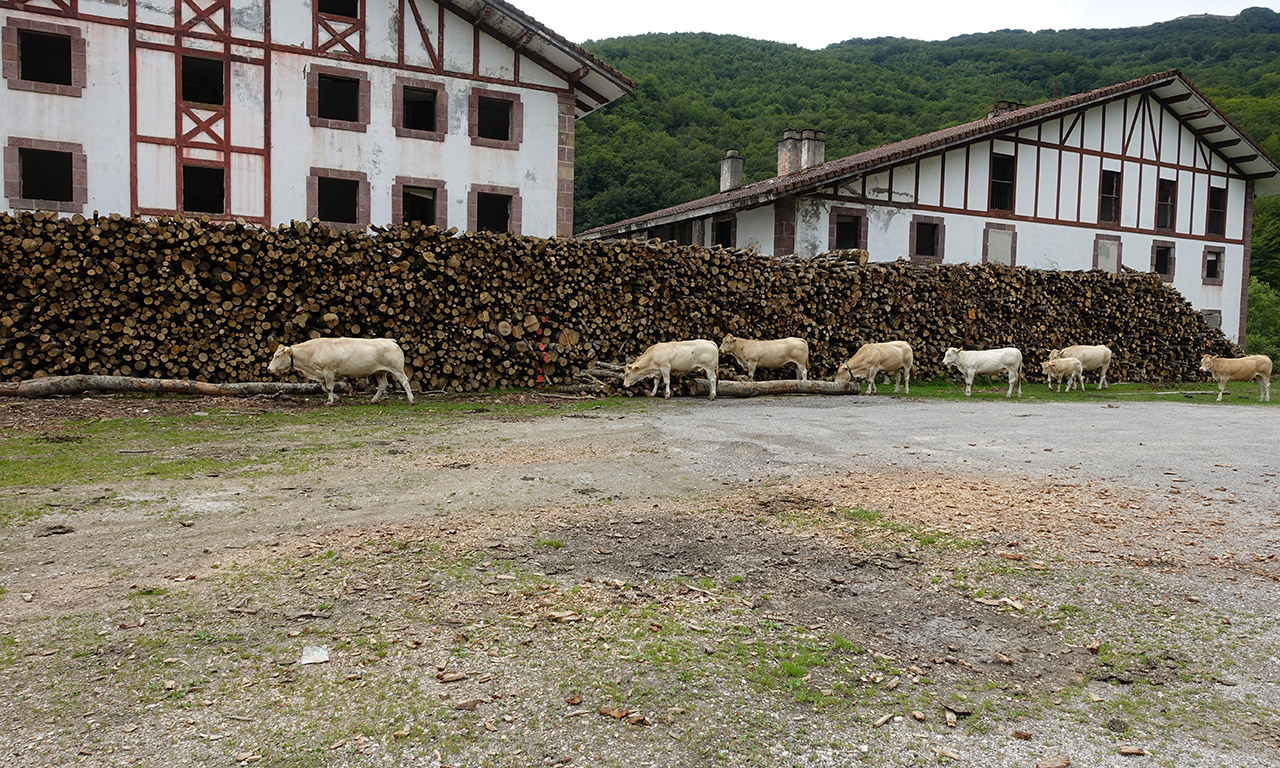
(819, 23)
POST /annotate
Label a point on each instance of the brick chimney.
(813, 148)
(730, 171)
(789, 152)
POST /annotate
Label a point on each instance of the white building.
(1146, 175)
(456, 112)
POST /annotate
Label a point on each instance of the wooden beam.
(1175, 99)
(1210, 129)
(1197, 115)
(1244, 158)
(1259, 176)
(1224, 144)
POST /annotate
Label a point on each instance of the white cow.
(666, 357)
(888, 357)
(990, 361)
(1092, 358)
(774, 353)
(1063, 366)
(326, 360)
(1224, 369)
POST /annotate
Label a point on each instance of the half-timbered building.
(452, 112)
(1146, 175)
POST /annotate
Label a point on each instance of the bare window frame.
(442, 108)
(361, 124)
(515, 217)
(939, 242)
(724, 218)
(13, 175)
(1169, 206)
(1012, 181)
(517, 119)
(860, 213)
(441, 201)
(12, 66)
(1204, 265)
(1173, 256)
(362, 196)
(1118, 197)
(1209, 211)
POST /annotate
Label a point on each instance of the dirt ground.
(530, 580)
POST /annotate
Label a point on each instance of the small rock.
(1054, 762)
(1132, 751)
(27, 597)
(1022, 735)
(1117, 725)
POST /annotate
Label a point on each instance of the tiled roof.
(889, 154)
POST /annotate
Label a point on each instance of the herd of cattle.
(327, 360)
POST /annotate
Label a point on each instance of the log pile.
(188, 299)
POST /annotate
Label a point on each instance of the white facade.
(310, 113)
(939, 198)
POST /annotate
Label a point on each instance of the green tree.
(1262, 336)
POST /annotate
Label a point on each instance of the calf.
(666, 357)
(1063, 366)
(775, 353)
(1092, 358)
(1224, 369)
(990, 361)
(889, 357)
(326, 360)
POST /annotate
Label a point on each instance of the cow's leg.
(711, 380)
(326, 381)
(1102, 382)
(968, 383)
(751, 371)
(1222, 387)
(381, 376)
(656, 383)
(666, 379)
(404, 382)
(906, 379)
(802, 372)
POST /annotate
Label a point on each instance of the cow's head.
(282, 360)
(1207, 362)
(728, 343)
(844, 374)
(950, 357)
(630, 375)
(1054, 354)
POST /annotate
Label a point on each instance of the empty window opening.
(1166, 200)
(1217, 222)
(46, 175)
(926, 239)
(722, 233)
(339, 98)
(493, 212)
(1213, 265)
(337, 200)
(1109, 198)
(1002, 173)
(494, 119)
(348, 8)
(419, 109)
(419, 204)
(44, 58)
(1163, 261)
(848, 231)
(202, 80)
(203, 189)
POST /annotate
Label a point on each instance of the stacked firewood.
(185, 298)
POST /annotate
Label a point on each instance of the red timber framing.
(339, 35)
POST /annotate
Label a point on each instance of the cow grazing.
(1092, 358)
(1224, 369)
(775, 353)
(326, 360)
(888, 357)
(669, 357)
(990, 361)
(1063, 366)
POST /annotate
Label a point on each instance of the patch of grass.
(1034, 389)
(548, 543)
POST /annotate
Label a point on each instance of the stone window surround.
(1204, 265)
(475, 190)
(1168, 278)
(941, 242)
(397, 108)
(1119, 250)
(314, 71)
(861, 213)
(79, 175)
(517, 118)
(720, 218)
(1013, 246)
(12, 68)
(397, 199)
(362, 196)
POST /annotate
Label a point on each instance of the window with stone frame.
(43, 57)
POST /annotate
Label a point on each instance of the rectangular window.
(1162, 261)
(1002, 175)
(926, 240)
(1217, 221)
(339, 98)
(1213, 265)
(46, 175)
(848, 232)
(44, 58)
(348, 8)
(202, 80)
(494, 119)
(1213, 317)
(203, 189)
(337, 200)
(1109, 198)
(1106, 253)
(419, 109)
(419, 204)
(1166, 203)
(722, 232)
(493, 212)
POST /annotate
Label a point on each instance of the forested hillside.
(700, 94)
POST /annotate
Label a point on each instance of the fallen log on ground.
(725, 388)
(79, 384)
